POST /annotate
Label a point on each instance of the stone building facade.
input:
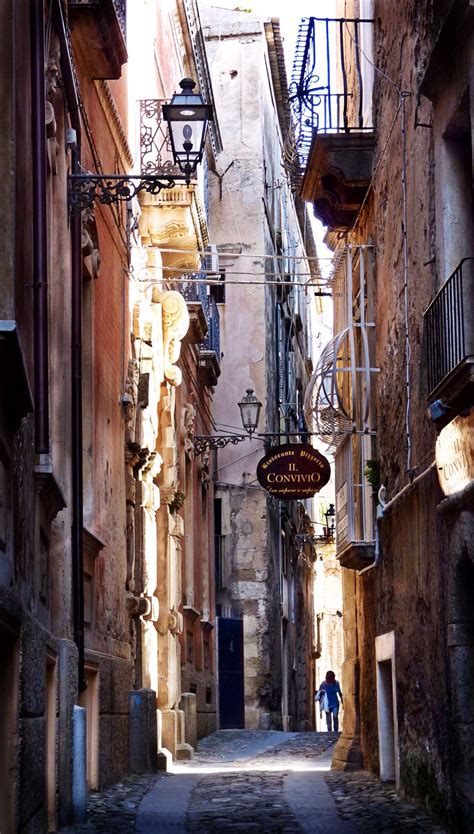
(172, 235)
(65, 624)
(263, 574)
(96, 337)
(392, 182)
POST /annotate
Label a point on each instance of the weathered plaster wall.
(235, 53)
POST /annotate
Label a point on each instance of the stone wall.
(408, 594)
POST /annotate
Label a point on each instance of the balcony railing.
(331, 89)
(192, 289)
(121, 12)
(449, 327)
(156, 155)
(212, 340)
(209, 348)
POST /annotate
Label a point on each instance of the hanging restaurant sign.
(293, 471)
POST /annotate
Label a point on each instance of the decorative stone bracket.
(145, 606)
(175, 326)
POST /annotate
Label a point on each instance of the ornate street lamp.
(330, 514)
(250, 414)
(250, 411)
(187, 116)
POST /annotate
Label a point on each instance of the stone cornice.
(114, 121)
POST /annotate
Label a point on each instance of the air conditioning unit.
(212, 259)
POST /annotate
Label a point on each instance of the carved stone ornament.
(175, 621)
(51, 88)
(205, 469)
(128, 402)
(175, 326)
(90, 243)
(187, 432)
(137, 606)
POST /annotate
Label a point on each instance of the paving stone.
(374, 806)
(261, 782)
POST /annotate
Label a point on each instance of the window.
(218, 290)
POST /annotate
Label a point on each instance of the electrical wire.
(256, 255)
(374, 66)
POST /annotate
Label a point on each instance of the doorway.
(230, 641)
(387, 708)
(90, 700)
(461, 656)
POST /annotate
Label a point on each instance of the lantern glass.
(250, 411)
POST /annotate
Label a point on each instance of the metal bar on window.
(359, 73)
(344, 74)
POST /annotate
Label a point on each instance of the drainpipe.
(384, 507)
(40, 259)
(376, 548)
(76, 356)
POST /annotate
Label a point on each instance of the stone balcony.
(99, 28)
(337, 176)
(174, 222)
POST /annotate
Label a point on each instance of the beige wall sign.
(455, 454)
(293, 471)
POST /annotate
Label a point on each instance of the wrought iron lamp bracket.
(113, 189)
(218, 441)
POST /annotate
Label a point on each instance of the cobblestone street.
(255, 781)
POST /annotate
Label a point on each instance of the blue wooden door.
(231, 673)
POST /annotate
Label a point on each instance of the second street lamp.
(250, 411)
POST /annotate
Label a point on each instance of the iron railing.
(121, 12)
(212, 340)
(156, 155)
(193, 290)
(331, 88)
(445, 324)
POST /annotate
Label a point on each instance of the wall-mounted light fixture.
(250, 409)
(187, 116)
(329, 514)
(250, 414)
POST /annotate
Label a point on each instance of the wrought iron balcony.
(209, 348)
(331, 97)
(101, 27)
(204, 327)
(331, 89)
(449, 340)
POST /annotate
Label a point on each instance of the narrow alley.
(236, 416)
(255, 781)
